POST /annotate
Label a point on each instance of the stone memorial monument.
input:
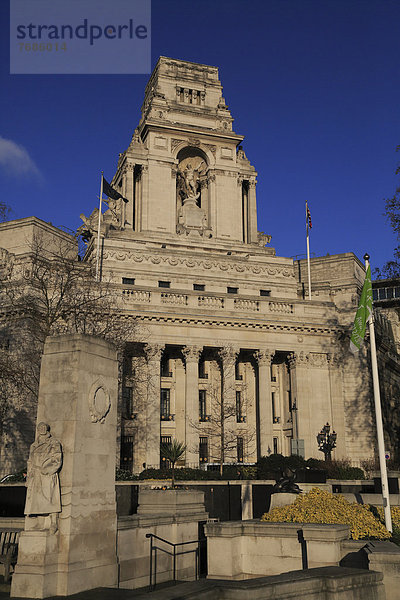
(69, 541)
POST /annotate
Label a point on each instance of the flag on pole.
(111, 192)
(364, 313)
(309, 223)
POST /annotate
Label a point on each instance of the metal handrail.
(174, 555)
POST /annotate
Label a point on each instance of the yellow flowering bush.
(319, 506)
(395, 512)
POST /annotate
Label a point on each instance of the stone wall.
(169, 514)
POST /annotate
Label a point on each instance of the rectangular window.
(232, 290)
(202, 369)
(265, 292)
(199, 287)
(126, 457)
(164, 462)
(127, 402)
(203, 450)
(397, 292)
(389, 293)
(375, 294)
(275, 443)
(164, 284)
(165, 372)
(165, 405)
(203, 406)
(239, 448)
(273, 408)
(128, 281)
(382, 293)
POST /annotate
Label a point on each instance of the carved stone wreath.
(99, 402)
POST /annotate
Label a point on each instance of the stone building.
(231, 353)
(222, 314)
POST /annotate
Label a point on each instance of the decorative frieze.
(228, 266)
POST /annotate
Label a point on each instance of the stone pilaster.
(265, 426)
(127, 191)
(153, 427)
(191, 354)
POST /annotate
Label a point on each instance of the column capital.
(192, 353)
(153, 351)
(264, 356)
(228, 354)
(296, 359)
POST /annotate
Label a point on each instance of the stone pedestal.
(282, 499)
(78, 399)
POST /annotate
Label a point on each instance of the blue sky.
(313, 85)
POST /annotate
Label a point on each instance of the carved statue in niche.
(191, 216)
(190, 170)
(43, 484)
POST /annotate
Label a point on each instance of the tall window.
(127, 402)
(126, 457)
(239, 448)
(202, 369)
(164, 462)
(165, 404)
(165, 372)
(276, 447)
(203, 450)
(203, 405)
(240, 417)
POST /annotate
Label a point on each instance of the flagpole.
(308, 254)
(98, 231)
(378, 417)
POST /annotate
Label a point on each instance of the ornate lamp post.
(326, 441)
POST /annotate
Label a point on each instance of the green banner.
(364, 312)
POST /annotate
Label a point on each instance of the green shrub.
(270, 466)
(342, 469)
(123, 475)
(187, 474)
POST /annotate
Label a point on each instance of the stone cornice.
(234, 323)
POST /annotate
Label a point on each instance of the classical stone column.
(301, 391)
(265, 428)
(212, 204)
(228, 356)
(153, 426)
(144, 198)
(192, 354)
